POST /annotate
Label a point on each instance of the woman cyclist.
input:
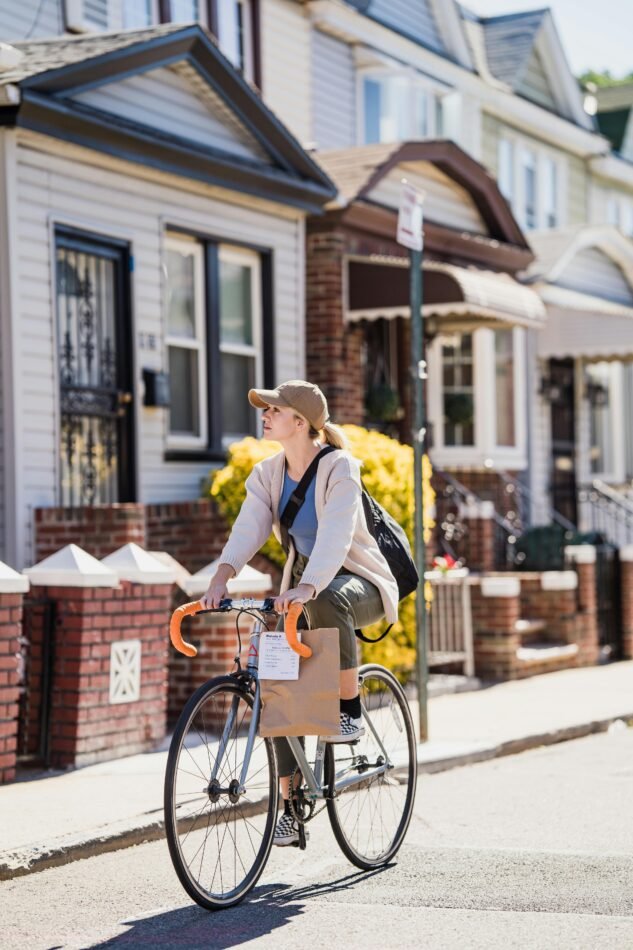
(334, 566)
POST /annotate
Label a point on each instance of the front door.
(95, 370)
(563, 480)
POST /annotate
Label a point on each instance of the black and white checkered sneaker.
(350, 729)
(286, 832)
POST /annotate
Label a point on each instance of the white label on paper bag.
(277, 660)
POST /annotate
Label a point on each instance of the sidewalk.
(60, 817)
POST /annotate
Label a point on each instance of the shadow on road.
(269, 907)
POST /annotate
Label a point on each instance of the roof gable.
(460, 194)
(523, 52)
(177, 100)
(591, 271)
(534, 83)
(100, 92)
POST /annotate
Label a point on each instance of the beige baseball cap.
(297, 394)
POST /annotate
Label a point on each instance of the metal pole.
(418, 375)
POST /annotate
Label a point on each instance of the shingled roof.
(43, 56)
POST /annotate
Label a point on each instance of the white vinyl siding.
(445, 201)
(22, 19)
(286, 58)
(592, 272)
(176, 100)
(115, 198)
(413, 19)
(333, 93)
(535, 85)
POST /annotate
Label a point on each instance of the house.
(375, 74)
(152, 217)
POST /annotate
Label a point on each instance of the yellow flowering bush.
(387, 472)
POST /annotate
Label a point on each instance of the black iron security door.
(95, 371)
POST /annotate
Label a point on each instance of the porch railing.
(607, 512)
(450, 626)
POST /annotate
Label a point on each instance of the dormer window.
(531, 179)
(398, 107)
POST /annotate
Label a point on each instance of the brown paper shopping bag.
(308, 706)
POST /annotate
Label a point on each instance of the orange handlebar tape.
(174, 627)
(294, 612)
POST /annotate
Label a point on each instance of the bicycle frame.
(312, 778)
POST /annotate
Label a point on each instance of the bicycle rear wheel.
(219, 836)
(370, 819)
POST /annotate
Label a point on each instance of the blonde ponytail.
(335, 436)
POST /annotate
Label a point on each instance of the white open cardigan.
(343, 539)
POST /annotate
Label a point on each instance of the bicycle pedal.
(302, 838)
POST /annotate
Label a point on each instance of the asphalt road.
(531, 851)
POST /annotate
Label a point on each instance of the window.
(185, 340)
(550, 193)
(214, 340)
(458, 390)
(235, 33)
(397, 108)
(240, 321)
(476, 394)
(531, 178)
(185, 11)
(528, 160)
(505, 175)
(605, 389)
(504, 388)
(138, 13)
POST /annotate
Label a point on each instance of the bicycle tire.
(189, 816)
(368, 834)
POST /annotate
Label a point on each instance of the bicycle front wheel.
(219, 831)
(370, 816)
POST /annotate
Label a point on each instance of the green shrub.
(388, 475)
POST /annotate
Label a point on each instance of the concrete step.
(547, 651)
(530, 630)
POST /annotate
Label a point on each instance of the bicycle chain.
(310, 805)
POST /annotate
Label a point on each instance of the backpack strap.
(298, 496)
(361, 635)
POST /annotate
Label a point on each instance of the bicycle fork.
(252, 666)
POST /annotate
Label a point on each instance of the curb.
(147, 828)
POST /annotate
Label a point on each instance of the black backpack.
(388, 534)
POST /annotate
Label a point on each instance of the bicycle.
(221, 781)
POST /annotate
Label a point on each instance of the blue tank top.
(304, 527)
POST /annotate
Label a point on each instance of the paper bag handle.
(294, 612)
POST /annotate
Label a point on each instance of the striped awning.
(585, 326)
(459, 297)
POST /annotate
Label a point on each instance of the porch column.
(583, 558)
(626, 586)
(13, 586)
(479, 538)
(333, 350)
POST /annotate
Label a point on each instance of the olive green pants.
(349, 602)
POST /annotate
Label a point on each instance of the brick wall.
(626, 580)
(495, 635)
(85, 726)
(99, 530)
(10, 629)
(333, 350)
(194, 532)
(558, 608)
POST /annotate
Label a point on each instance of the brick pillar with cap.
(13, 586)
(109, 680)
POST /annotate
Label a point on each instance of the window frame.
(215, 447)
(416, 81)
(615, 419)
(544, 157)
(180, 243)
(485, 451)
(236, 254)
(154, 15)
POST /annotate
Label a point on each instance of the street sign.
(410, 217)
